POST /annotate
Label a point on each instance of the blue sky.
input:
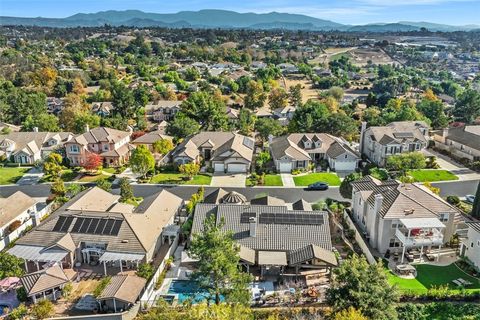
(455, 12)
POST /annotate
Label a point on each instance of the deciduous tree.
(142, 160)
(92, 162)
(163, 146)
(190, 169)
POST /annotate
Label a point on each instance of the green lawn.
(331, 178)
(92, 178)
(272, 180)
(113, 170)
(429, 276)
(67, 175)
(432, 175)
(10, 175)
(177, 178)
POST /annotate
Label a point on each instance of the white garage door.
(236, 167)
(345, 165)
(285, 166)
(219, 167)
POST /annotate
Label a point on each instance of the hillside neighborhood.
(155, 173)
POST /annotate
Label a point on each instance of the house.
(471, 245)
(28, 147)
(162, 110)
(150, 138)
(462, 142)
(223, 151)
(284, 115)
(121, 293)
(398, 216)
(273, 238)
(15, 210)
(287, 68)
(111, 144)
(54, 105)
(298, 150)
(377, 143)
(46, 283)
(95, 228)
(103, 109)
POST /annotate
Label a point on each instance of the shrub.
(101, 285)
(43, 309)
(18, 313)
(14, 226)
(453, 200)
(145, 270)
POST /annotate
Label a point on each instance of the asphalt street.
(458, 188)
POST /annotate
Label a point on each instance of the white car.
(470, 198)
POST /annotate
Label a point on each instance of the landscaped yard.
(331, 178)
(429, 276)
(177, 178)
(432, 175)
(270, 180)
(92, 178)
(10, 175)
(66, 175)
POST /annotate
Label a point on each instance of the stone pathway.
(287, 180)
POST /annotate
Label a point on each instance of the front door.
(207, 154)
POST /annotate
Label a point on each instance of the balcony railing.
(434, 238)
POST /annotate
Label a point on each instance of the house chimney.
(35, 129)
(87, 127)
(378, 203)
(253, 226)
(362, 132)
(35, 218)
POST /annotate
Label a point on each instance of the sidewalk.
(287, 180)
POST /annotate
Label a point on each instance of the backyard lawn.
(331, 178)
(177, 178)
(10, 175)
(432, 175)
(429, 276)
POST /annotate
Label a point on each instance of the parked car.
(318, 186)
(470, 198)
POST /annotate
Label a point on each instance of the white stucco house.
(471, 245)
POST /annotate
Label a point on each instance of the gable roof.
(465, 135)
(123, 287)
(398, 132)
(100, 134)
(43, 280)
(32, 142)
(151, 137)
(13, 206)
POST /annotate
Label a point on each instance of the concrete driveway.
(31, 177)
(287, 180)
(228, 180)
(454, 167)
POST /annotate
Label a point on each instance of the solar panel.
(245, 217)
(116, 227)
(291, 218)
(66, 225)
(77, 225)
(93, 226)
(59, 224)
(85, 225)
(108, 226)
(101, 226)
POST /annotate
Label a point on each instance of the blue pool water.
(188, 290)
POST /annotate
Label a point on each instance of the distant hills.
(220, 19)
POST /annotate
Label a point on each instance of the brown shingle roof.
(126, 288)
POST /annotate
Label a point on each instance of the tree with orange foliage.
(93, 162)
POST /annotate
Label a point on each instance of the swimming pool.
(185, 290)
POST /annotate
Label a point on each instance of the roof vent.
(125, 241)
(409, 211)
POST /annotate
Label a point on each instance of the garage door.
(285, 166)
(345, 165)
(219, 167)
(237, 167)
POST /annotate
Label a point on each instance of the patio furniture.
(405, 269)
(430, 257)
(464, 282)
(458, 283)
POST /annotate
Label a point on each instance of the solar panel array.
(106, 226)
(291, 218)
(245, 217)
(63, 223)
(248, 143)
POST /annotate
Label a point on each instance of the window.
(360, 200)
(74, 148)
(417, 146)
(471, 244)
(444, 217)
(394, 243)
(105, 147)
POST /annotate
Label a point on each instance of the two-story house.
(377, 143)
(14, 211)
(471, 245)
(298, 150)
(112, 145)
(28, 147)
(162, 110)
(223, 151)
(398, 216)
(462, 142)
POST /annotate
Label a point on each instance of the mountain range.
(221, 19)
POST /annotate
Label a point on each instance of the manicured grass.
(177, 178)
(432, 175)
(429, 276)
(10, 175)
(270, 180)
(273, 180)
(114, 170)
(331, 178)
(92, 178)
(67, 175)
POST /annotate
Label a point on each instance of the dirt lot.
(360, 57)
(329, 54)
(307, 91)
